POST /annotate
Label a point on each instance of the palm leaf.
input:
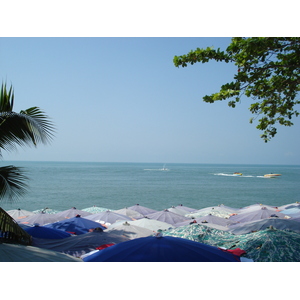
(12, 182)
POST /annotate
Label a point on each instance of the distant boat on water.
(237, 174)
(271, 175)
(164, 168)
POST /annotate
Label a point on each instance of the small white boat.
(164, 168)
(271, 175)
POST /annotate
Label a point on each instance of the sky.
(104, 73)
(121, 99)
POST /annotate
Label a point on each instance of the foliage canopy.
(267, 72)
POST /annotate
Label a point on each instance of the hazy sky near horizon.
(123, 100)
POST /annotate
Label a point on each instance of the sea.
(63, 185)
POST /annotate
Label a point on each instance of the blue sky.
(122, 100)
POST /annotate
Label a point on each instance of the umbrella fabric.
(178, 211)
(291, 211)
(142, 209)
(218, 211)
(108, 217)
(80, 244)
(76, 225)
(95, 209)
(290, 205)
(270, 245)
(167, 217)
(40, 218)
(19, 253)
(203, 234)
(211, 219)
(71, 213)
(187, 209)
(151, 224)
(129, 213)
(262, 213)
(19, 213)
(282, 224)
(161, 249)
(46, 233)
(255, 207)
(130, 231)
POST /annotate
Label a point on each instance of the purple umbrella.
(108, 217)
(40, 218)
(262, 213)
(42, 232)
(142, 209)
(71, 213)
(167, 217)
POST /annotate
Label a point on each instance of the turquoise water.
(62, 185)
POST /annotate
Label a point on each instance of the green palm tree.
(26, 128)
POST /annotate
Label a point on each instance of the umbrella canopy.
(19, 213)
(219, 211)
(177, 211)
(270, 245)
(203, 234)
(95, 209)
(161, 249)
(18, 253)
(40, 218)
(80, 244)
(76, 225)
(255, 207)
(46, 233)
(187, 209)
(167, 217)
(290, 205)
(71, 213)
(291, 211)
(108, 217)
(142, 209)
(129, 213)
(130, 231)
(262, 213)
(282, 224)
(150, 224)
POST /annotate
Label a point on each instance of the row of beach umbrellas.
(259, 231)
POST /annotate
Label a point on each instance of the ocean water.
(62, 185)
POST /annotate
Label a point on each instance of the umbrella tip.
(77, 216)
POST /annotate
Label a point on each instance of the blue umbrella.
(161, 249)
(76, 225)
(42, 232)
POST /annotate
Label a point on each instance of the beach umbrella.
(167, 217)
(80, 244)
(19, 253)
(19, 213)
(130, 231)
(71, 213)
(255, 207)
(108, 217)
(142, 209)
(262, 213)
(291, 211)
(129, 213)
(185, 208)
(270, 245)
(209, 220)
(247, 227)
(39, 218)
(161, 249)
(76, 225)
(95, 209)
(178, 211)
(290, 205)
(151, 224)
(219, 211)
(203, 234)
(46, 233)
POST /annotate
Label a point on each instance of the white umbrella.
(129, 213)
(130, 231)
(71, 213)
(19, 213)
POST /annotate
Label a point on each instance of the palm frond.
(6, 99)
(12, 183)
